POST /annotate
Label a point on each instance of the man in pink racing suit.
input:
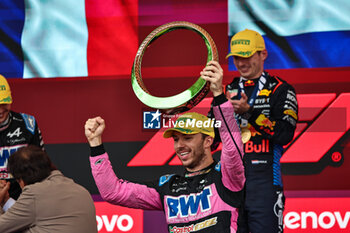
(207, 196)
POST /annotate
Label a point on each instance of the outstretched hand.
(213, 73)
(94, 128)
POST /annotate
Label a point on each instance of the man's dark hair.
(31, 164)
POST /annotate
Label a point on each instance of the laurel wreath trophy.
(185, 100)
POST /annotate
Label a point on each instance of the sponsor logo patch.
(194, 227)
(264, 92)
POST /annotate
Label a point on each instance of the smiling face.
(4, 112)
(193, 150)
(251, 67)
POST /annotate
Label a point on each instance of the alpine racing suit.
(203, 201)
(271, 122)
(17, 131)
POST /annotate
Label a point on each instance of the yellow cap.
(5, 92)
(245, 43)
(192, 123)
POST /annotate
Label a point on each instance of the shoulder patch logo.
(218, 166)
(291, 113)
(29, 121)
(164, 179)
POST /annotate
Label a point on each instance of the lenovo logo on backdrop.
(312, 220)
(114, 222)
(317, 215)
(112, 218)
(301, 215)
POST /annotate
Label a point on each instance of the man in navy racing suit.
(207, 196)
(16, 130)
(267, 111)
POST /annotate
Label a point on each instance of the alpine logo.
(16, 133)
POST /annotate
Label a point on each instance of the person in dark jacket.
(50, 202)
(267, 111)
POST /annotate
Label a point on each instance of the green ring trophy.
(185, 100)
